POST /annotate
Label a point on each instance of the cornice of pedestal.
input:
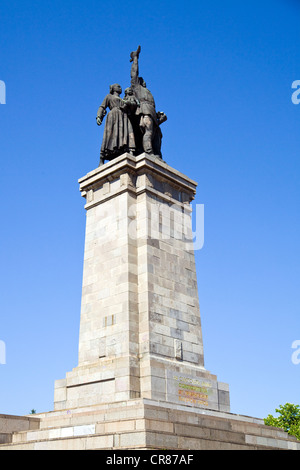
(137, 174)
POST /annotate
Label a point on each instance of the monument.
(140, 332)
(141, 381)
(132, 124)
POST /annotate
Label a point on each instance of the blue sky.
(222, 71)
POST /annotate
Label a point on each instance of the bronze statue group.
(132, 123)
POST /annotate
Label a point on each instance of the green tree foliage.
(288, 419)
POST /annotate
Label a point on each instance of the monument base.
(140, 383)
(143, 425)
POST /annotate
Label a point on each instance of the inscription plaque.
(188, 390)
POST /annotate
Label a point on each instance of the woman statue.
(118, 136)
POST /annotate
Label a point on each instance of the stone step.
(148, 426)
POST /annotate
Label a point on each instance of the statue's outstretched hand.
(135, 54)
(161, 117)
(99, 121)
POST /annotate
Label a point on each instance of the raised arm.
(134, 73)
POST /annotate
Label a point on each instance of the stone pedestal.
(140, 382)
(140, 332)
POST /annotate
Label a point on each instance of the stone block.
(133, 440)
